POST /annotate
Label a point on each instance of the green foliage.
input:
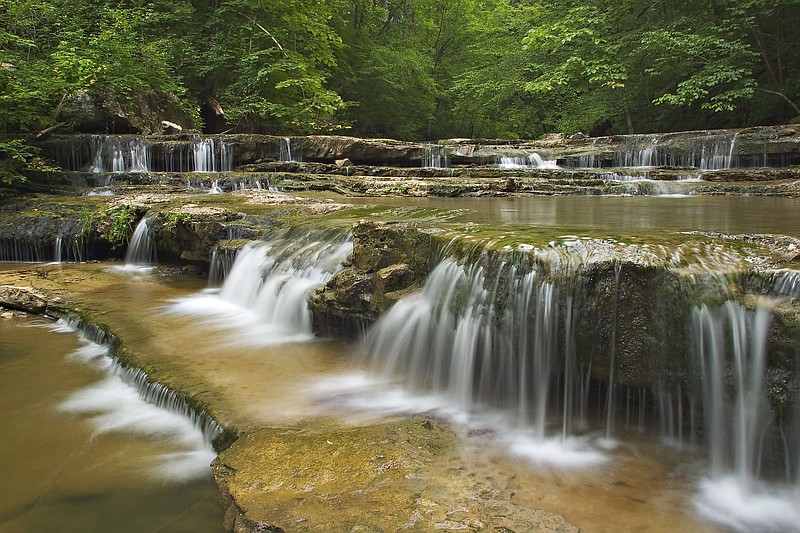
(15, 155)
(122, 218)
(172, 220)
(406, 68)
(87, 218)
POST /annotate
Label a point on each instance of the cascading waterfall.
(435, 156)
(69, 248)
(112, 153)
(142, 249)
(612, 351)
(285, 151)
(25, 251)
(706, 154)
(532, 160)
(787, 283)
(211, 155)
(746, 443)
(499, 336)
(220, 265)
(264, 295)
(486, 341)
(127, 401)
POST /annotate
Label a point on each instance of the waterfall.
(111, 153)
(612, 351)
(220, 265)
(435, 156)
(126, 400)
(142, 249)
(211, 155)
(69, 248)
(25, 251)
(57, 254)
(746, 443)
(787, 283)
(705, 153)
(456, 337)
(532, 160)
(285, 151)
(265, 293)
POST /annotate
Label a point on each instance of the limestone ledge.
(391, 476)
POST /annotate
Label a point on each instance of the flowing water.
(83, 451)
(533, 420)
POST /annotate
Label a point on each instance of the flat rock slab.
(392, 476)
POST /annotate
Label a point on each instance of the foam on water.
(556, 453)
(115, 406)
(363, 395)
(725, 502)
(246, 326)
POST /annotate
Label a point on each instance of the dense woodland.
(407, 69)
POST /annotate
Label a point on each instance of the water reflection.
(634, 214)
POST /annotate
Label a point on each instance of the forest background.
(405, 69)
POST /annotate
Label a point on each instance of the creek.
(627, 362)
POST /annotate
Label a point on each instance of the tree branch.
(265, 30)
(794, 106)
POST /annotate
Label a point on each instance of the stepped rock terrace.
(486, 345)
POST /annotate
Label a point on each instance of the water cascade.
(220, 265)
(265, 292)
(25, 251)
(435, 156)
(532, 160)
(69, 248)
(211, 155)
(787, 283)
(746, 443)
(485, 340)
(501, 336)
(285, 151)
(125, 400)
(141, 250)
(111, 153)
(706, 154)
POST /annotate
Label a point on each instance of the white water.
(435, 156)
(116, 405)
(264, 296)
(787, 283)
(731, 346)
(532, 160)
(68, 248)
(488, 345)
(707, 154)
(141, 250)
(366, 396)
(120, 154)
(452, 340)
(211, 155)
(285, 151)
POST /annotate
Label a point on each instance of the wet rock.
(33, 301)
(388, 259)
(324, 476)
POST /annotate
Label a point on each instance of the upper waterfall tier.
(772, 146)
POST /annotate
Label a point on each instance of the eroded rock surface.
(390, 476)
